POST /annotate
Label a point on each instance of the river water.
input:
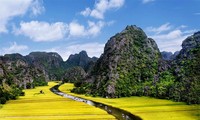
(118, 113)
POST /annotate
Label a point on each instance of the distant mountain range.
(36, 69)
(81, 60)
(169, 55)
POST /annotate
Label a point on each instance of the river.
(117, 112)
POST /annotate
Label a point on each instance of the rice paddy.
(48, 106)
(147, 108)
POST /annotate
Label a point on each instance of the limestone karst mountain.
(132, 65)
(81, 59)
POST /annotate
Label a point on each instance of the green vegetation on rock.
(16, 74)
(129, 62)
(187, 71)
(37, 68)
(74, 75)
(131, 65)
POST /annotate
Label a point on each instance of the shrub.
(79, 90)
(2, 100)
(22, 94)
(40, 82)
(77, 83)
(29, 85)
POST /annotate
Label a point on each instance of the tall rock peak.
(128, 57)
(82, 59)
(84, 53)
(187, 70)
(132, 65)
(133, 27)
(191, 41)
(189, 44)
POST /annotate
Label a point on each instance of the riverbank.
(145, 107)
(48, 106)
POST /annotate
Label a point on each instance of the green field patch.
(146, 107)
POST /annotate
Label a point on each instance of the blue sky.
(69, 26)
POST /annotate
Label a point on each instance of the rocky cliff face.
(74, 74)
(129, 58)
(51, 63)
(16, 70)
(82, 60)
(189, 44)
(166, 55)
(19, 72)
(16, 74)
(186, 67)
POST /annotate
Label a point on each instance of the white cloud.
(93, 49)
(42, 31)
(13, 8)
(100, 8)
(95, 28)
(110, 22)
(147, 1)
(37, 8)
(78, 30)
(189, 31)
(172, 39)
(86, 12)
(182, 26)
(13, 48)
(160, 29)
(171, 35)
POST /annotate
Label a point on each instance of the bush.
(6, 95)
(40, 82)
(77, 84)
(29, 85)
(13, 97)
(22, 94)
(78, 90)
(2, 100)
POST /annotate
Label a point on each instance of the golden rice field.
(147, 108)
(49, 106)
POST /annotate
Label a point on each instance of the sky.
(70, 26)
